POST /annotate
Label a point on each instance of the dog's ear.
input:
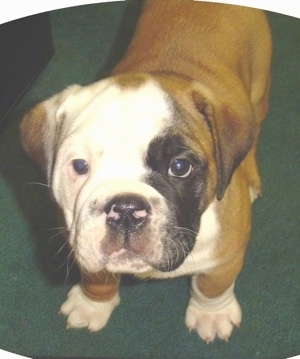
(40, 126)
(232, 131)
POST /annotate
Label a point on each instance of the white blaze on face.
(120, 123)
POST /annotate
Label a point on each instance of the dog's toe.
(209, 323)
(83, 312)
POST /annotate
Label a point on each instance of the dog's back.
(199, 33)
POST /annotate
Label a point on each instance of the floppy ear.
(40, 126)
(232, 131)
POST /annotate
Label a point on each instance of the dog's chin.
(126, 262)
(123, 261)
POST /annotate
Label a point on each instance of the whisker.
(56, 228)
(61, 248)
(69, 267)
(36, 183)
(62, 264)
(58, 235)
(186, 230)
(116, 276)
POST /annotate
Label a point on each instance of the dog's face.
(128, 171)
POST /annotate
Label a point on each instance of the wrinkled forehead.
(120, 116)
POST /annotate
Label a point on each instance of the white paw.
(209, 323)
(83, 312)
(212, 317)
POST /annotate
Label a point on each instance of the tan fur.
(32, 131)
(100, 287)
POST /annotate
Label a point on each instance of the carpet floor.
(149, 323)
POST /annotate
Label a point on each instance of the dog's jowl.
(154, 167)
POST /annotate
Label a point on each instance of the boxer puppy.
(154, 168)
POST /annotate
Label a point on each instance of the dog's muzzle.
(129, 232)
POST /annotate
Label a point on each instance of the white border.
(15, 9)
(7, 355)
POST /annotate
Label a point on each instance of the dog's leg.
(91, 303)
(213, 308)
(260, 100)
(249, 165)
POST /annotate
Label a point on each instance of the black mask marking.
(183, 195)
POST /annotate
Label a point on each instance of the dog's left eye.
(180, 167)
(81, 167)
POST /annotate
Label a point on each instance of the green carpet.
(149, 323)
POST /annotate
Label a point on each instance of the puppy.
(153, 168)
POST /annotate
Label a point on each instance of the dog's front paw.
(212, 317)
(209, 323)
(83, 312)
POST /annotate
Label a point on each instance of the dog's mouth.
(125, 261)
(122, 252)
(130, 250)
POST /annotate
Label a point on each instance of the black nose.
(127, 213)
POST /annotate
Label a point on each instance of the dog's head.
(132, 166)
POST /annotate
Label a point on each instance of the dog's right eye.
(81, 167)
(180, 168)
